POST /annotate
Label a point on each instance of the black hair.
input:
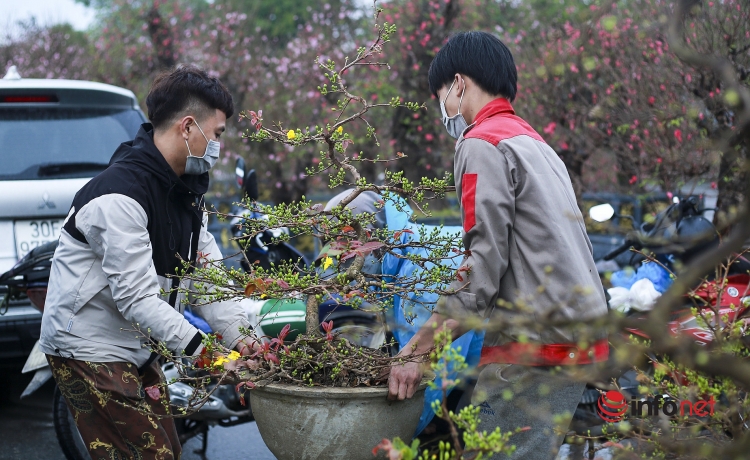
(480, 56)
(186, 90)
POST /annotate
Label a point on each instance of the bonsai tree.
(317, 358)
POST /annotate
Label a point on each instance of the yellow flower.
(220, 360)
(327, 262)
(291, 134)
(234, 355)
(340, 129)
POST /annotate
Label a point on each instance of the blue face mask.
(456, 124)
(199, 165)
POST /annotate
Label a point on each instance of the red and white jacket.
(529, 256)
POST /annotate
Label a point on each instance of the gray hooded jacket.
(126, 234)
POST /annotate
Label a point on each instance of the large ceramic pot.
(309, 423)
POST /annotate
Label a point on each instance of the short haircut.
(480, 56)
(186, 90)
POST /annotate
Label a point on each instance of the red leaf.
(284, 332)
(371, 246)
(348, 255)
(249, 385)
(256, 285)
(362, 249)
(327, 327)
(347, 229)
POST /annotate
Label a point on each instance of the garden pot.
(308, 423)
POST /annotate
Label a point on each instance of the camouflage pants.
(115, 417)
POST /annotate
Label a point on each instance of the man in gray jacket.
(124, 240)
(529, 267)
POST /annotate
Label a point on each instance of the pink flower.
(153, 392)
(550, 128)
(651, 100)
(678, 135)
(428, 137)
(633, 180)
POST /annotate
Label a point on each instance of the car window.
(30, 137)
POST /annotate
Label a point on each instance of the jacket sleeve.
(115, 227)
(226, 317)
(485, 187)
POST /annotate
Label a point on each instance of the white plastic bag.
(619, 298)
(643, 295)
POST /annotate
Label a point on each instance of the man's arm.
(115, 227)
(485, 181)
(485, 184)
(225, 318)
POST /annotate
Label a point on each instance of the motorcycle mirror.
(250, 184)
(602, 212)
(239, 171)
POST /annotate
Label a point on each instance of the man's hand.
(404, 380)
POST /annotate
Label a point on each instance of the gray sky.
(46, 12)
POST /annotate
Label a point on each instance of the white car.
(55, 135)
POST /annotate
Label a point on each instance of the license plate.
(34, 233)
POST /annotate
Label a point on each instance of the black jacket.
(128, 231)
(173, 204)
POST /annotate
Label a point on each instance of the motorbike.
(676, 236)
(29, 278)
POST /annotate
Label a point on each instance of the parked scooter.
(677, 235)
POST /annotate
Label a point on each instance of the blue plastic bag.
(652, 271)
(410, 313)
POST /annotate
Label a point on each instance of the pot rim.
(329, 392)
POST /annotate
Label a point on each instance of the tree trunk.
(161, 38)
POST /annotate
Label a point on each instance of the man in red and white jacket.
(529, 267)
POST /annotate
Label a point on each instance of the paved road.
(27, 431)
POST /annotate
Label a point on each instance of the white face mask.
(199, 165)
(456, 124)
